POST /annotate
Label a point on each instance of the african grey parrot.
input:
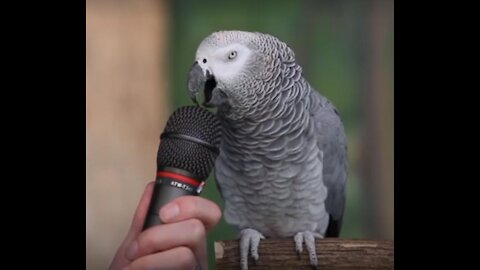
(282, 167)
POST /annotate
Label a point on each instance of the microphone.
(186, 155)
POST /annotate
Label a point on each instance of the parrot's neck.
(284, 112)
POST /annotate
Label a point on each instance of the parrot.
(282, 168)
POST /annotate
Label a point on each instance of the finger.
(187, 207)
(190, 233)
(141, 211)
(176, 258)
(135, 227)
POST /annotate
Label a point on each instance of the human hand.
(179, 243)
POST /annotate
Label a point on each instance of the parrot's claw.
(309, 239)
(249, 240)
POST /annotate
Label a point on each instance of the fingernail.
(169, 212)
(132, 251)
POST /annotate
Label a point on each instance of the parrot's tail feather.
(333, 229)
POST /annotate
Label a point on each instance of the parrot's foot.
(309, 239)
(249, 240)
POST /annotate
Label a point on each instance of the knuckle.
(186, 258)
(196, 228)
(146, 242)
(216, 213)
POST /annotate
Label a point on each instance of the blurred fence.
(127, 104)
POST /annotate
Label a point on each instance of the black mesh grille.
(193, 157)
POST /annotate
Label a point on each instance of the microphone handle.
(166, 189)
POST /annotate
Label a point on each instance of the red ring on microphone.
(179, 177)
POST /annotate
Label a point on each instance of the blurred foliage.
(326, 37)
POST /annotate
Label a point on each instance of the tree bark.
(332, 253)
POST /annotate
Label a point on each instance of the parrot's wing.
(215, 176)
(331, 140)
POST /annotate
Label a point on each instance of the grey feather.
(332, 140)
(282, 167)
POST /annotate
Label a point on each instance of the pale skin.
(179, 243)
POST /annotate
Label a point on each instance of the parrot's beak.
(199, 79)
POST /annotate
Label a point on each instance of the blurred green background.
(138, 57)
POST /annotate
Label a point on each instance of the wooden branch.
(333, 253)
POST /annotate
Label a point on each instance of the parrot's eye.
(232, 55)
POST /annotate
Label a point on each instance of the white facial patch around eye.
(226, 68)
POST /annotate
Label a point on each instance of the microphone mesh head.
(178, 151)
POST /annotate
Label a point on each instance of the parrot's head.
(238, 71)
